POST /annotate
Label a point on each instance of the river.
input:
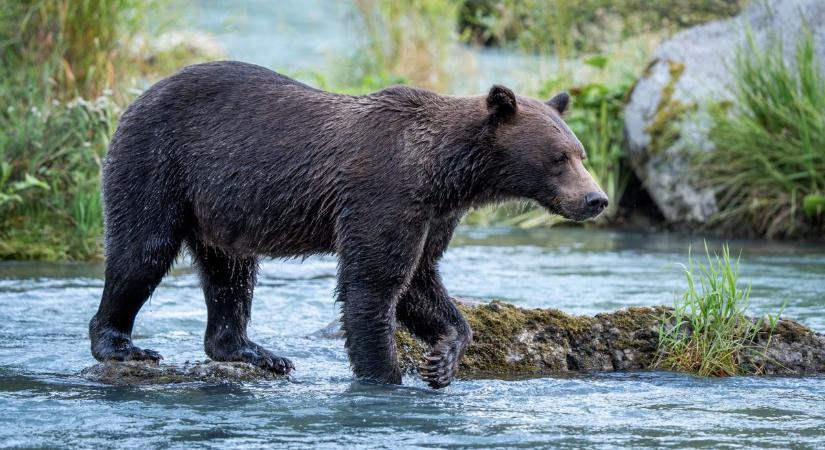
(45, 307)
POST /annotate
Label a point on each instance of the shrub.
(54, 151)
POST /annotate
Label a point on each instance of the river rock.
(509, 341)
(668, 119)
(141, 373)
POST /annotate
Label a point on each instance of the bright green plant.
(12, 193)
(709, 328)
(769, 168)
(49, 176)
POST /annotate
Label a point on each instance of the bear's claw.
(112, 345)
(129, 352)
(440, 366)
(256, 355)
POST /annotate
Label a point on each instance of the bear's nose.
(596, 200)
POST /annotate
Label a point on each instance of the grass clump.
(709, 330)
(50, 157)
(55, 54)
(769, 168)
(71, 48)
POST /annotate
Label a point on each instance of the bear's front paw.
(256, 355)
(440, 366)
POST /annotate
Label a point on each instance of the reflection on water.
(44, 309)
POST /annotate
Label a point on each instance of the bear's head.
(538, 156)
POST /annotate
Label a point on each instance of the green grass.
(72, 47)
(51, 154)
(65, 69)
(709, 328)
(769, 168)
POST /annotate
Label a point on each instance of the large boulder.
(668, 118)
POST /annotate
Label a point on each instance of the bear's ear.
(501, 101)
(559, 102)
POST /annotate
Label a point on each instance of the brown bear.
(238, 162)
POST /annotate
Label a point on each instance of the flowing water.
(44, 402)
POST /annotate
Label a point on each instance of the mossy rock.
(512, 342)
(146, 373)
(509, 341)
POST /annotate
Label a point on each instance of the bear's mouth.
(568, 211)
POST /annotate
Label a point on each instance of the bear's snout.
(595, 202)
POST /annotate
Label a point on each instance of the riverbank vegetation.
(66, 71)
(69, 68)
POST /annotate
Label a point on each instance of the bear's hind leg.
(134, 268)
(228, 283)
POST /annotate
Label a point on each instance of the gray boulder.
(668, 119)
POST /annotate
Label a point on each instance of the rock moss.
(664, 126)
(511, 341)
(514, 342)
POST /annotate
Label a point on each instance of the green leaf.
(29, 182)
(813, 205)
(599, 61)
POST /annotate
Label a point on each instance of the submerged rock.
(668, 117)
(142, 372)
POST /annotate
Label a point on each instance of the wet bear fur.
(235, 162)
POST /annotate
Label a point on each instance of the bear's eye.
(560, 158)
